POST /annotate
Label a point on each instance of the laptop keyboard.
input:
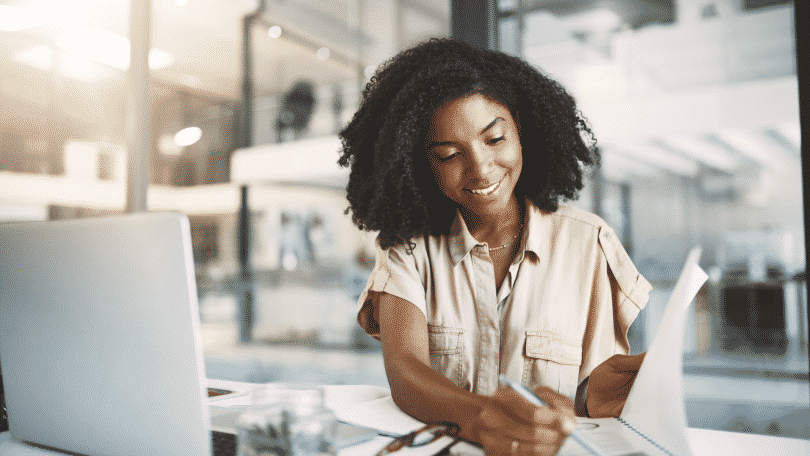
(224, 443)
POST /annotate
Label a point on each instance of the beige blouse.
(564, 307)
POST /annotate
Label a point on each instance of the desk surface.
(703, 441)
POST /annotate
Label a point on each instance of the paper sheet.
(381, 414)
(655, 404)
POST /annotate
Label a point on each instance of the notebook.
(100, 341)
(653, 421)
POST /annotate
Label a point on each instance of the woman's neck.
(496, 228)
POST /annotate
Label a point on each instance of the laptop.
(100, 341)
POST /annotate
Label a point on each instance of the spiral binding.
(630, 426)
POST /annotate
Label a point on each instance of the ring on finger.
(514, 447)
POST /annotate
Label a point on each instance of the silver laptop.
(100, 342)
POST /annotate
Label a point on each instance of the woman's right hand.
(510, 425)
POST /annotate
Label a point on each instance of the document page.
(381, 414)
(655, 404)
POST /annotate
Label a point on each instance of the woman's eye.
(448, 157)
(497, 140)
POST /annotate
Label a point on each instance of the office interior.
(694, 104)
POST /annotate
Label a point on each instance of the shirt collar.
(534, 229)
(461, 241)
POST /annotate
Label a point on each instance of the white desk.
(704, 442)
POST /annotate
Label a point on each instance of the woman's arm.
(415, 387)
(503, 423)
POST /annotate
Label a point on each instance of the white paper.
(655, 405)
(380, 414)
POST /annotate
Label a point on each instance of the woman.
(459, 158)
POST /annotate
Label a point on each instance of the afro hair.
(391, 187)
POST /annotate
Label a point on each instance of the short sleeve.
(633, 290)
(397, 273)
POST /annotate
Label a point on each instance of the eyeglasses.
(423, 436)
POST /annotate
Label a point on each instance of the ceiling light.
(323, 53)
(13, 19)
(187, 136)
(108, 48)
(274, 31)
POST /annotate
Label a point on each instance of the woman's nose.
(480, 161)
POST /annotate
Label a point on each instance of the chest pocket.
(446, 352)
(552, 360)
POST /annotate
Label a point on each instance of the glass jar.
(286, 420)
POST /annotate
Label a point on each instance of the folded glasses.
(423, 436)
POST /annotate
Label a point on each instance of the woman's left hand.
(610, 383)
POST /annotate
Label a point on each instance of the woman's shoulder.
(408, 247)
(574, 216)
(414, 250)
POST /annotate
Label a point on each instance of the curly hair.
(391, 186)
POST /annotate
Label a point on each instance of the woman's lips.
(485, 190)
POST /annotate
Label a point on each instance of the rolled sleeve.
(633, 288)
(395, 272)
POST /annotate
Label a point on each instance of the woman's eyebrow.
(491, 124)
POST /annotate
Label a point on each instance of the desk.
(704, 442)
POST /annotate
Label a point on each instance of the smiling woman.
(460, 158)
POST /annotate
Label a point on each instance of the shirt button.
(606, 235)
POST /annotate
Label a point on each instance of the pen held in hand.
(527, 394)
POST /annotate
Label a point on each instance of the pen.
(527, 394)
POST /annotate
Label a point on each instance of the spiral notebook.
(653, 422)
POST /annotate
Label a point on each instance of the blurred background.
(694, 104)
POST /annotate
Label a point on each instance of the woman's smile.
(485, 190)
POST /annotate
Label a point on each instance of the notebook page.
(660, 378)
(612, 436)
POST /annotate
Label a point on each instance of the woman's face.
(473, 147)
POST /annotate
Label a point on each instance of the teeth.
(486, 191)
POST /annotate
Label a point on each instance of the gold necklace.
(492, 249)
